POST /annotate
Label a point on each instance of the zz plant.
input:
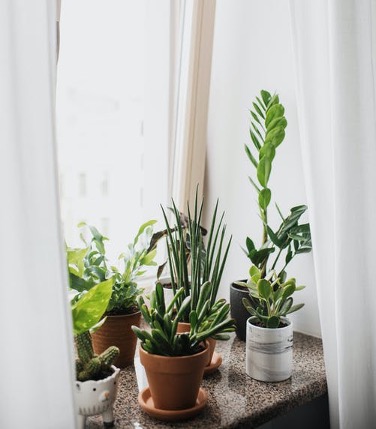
(206, 321)
(270, 293)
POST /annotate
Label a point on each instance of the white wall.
(253, 51)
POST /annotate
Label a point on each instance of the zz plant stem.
(269, 291)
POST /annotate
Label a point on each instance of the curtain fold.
(193, 84)
(36, 359)
(334, 58)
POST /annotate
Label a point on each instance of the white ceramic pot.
(96, 397)
(269, 352)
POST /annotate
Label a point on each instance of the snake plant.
(193, 261)
(205, 321)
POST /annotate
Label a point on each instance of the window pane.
(112, 115)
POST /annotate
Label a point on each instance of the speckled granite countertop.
(234, 399)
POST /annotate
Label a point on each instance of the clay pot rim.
(122, 315)
(162, 358)
(114, 374)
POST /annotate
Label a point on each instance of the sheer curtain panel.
(334, 57)
(36, 370)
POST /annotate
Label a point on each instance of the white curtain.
(334, 56)
(36, 348)
(193, 85)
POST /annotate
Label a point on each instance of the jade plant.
(193, 261)
(90, 265)
(205, 321)
(87, 311)
(270, 293)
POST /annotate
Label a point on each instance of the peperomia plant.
(87, 311)
(270, 294)
(205, 321)
(89, 266)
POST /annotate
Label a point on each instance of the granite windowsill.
(234, 399)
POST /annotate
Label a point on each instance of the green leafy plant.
(87, 311)
(192, 262)
(267, 132)
(90, 266)
(205, 321)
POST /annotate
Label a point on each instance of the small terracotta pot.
(174, 381)
(116, 331)
(185, 327)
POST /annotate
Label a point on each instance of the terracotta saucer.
(214, 364)
(146, 402)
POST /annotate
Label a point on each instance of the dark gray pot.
(238, 311)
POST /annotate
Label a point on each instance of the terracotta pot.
(238, 311)
(116, 331)
(174, 382)
(185, 327)
(96, 397)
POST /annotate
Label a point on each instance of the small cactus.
(90, 366)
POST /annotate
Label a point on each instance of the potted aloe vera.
(174, 362)
(96, 376)
(195, 258)
(268, 331)
(122, 311)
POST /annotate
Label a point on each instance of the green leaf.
(275, 137)
(267, 150)
(258, 110)
(266, 97)
(286, 306)
(263, 171)
(255, 273)
(250, 245)
(275, 111)
(250, 156)
(273, 237)
(254, 139)
(264, 198)
(142, 229)
(295, 308)
(272, 322)
(264, 289)
(89, 309)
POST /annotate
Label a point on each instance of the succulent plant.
(90, 366)
(87, 311)
(205, 321)
(272, 298)
(192, 260)
(270, 295)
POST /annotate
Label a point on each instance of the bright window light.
(113, 101)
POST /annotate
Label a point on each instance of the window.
(113, 109)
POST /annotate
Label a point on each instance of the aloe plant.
(87, 311)
(205, 321)
(193, 262)
(267, 132)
